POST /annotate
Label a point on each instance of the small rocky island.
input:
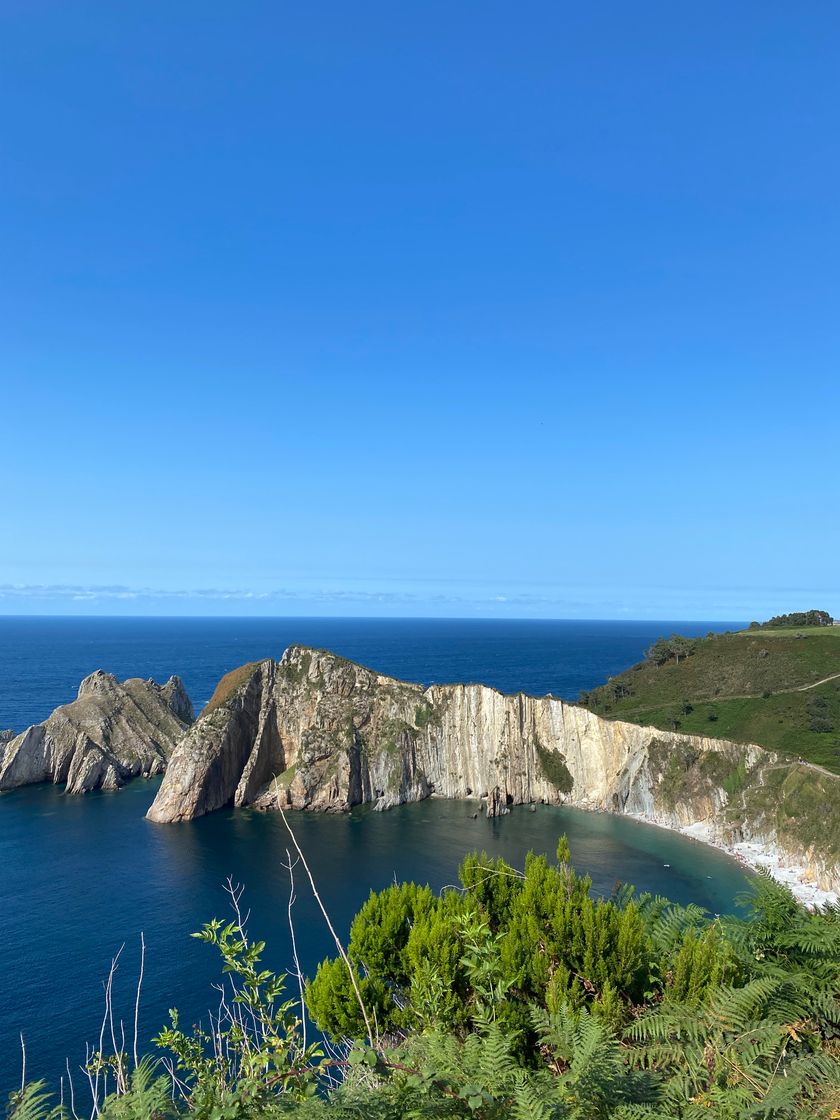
(110, 733)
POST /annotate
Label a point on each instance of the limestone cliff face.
(112, 732)
(314, 731)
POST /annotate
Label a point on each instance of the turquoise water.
(81, 876)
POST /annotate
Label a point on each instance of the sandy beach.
(757, 858)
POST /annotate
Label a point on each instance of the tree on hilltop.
(800, 618)
(670, 649)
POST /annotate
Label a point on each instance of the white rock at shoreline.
(757, 858)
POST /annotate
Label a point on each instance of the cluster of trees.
(670, 649)
(514, 996)
(795, 619)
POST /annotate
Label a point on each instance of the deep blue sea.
(42, 660)
(81, 876)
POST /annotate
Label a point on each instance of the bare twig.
(292, 896)
(94, 1086)
(236, 890)
(178, 1085)
(72, 1090)
(119, 1075)
(372, 1039)
(493, 873)
(22, 1063)
(137, 1000)
(106, 1018)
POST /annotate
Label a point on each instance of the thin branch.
(177, 1084)
(105, 1019)
(72, 1090)
(109, 1003)
(371, 1037)
(137, 1000)
(236, 890)
(292, 896)
(94, 1087)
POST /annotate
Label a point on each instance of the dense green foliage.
(670, 649)
(779, 688)
(415, 951)
(795, 619)
(514, 996)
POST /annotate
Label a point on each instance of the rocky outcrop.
(314, 731)
(112, 732)
(175, 695)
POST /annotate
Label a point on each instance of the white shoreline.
(757, 858)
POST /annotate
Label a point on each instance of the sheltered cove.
(316, 732)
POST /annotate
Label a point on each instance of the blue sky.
(441, 309)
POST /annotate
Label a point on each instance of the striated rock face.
(314, 731)
(175, 695)
(112, 732)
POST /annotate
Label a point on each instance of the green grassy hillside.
(757, 686)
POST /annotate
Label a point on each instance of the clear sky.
(515, 309)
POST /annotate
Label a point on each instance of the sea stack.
(111, 732)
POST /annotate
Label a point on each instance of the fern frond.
(33, 1102)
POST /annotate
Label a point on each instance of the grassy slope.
(728, 676)
(228, 685)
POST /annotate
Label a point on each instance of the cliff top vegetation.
(778, 687)
(795, 619)
(228, 684)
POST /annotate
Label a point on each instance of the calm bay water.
(81, 876)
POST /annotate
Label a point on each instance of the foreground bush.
(515, 995)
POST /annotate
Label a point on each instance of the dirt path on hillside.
(719, 699)
(805, 687)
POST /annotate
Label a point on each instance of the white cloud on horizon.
(715, 604)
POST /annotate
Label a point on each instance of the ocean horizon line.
(361, 618)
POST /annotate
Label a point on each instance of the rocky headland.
(314, 731)
(112, 732)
